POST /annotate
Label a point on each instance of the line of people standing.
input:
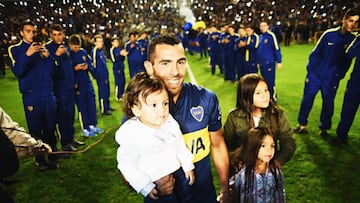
(244, 52)
(54, 76)
(49, 83)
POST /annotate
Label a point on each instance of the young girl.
(151, 143)
(254, 108)
(258, 180)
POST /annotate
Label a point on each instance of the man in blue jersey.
(35, 68)
(64, 89)
(134, 57)
(230, 53)
(101, 75)
(351, 97)
(215, 50)
(117, 56)
(197, 111)
(251, 55)
(327, 66)
(240, 48)
(268, 56)
(144, 42)
(84, 90)
(203, 36)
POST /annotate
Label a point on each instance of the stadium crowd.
(90, 17)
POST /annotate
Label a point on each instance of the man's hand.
(124, 52)
(33, 48)
(81, 66)
(44, 52)
(46, 148)
(43, 148)
(242, 44)
(165, 185)
(61, 50)
(223, 197)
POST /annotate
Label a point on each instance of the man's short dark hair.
(168, 39)
(250, 25)
(27, 22)
(134, 33)
(75, 39)
(56, 27)
(352, 12)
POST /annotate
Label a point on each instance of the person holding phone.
(64, 89)
(35, 68)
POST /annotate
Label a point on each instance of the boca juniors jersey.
(197, 111)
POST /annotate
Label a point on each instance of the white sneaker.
(88, 133)
(96, 129)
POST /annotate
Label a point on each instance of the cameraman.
(35, 68)
(14, 141)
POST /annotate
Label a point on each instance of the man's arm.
(24, 143)
(221, 158)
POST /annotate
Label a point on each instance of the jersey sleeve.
(214, 112)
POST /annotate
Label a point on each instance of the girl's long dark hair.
(245, 100)
(247, 155)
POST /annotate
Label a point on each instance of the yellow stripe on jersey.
(11, 54)
(198, 143)
(326, 31)
(116, 92)
(351, 44)
(257, 40)
(247, 49)
(81, 121)
(274, 39)
(112, 56)
(94, 57)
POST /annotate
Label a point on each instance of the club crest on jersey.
(30, 108)
(84, 58)
(197, 113)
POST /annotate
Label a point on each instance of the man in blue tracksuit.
(240, 48)
(215, 50)
(251, 55)
(203, 35)
(327, 66)
(84, 90)
(64, 88)
(230, 54)
(117, 56)
(268, 55)
(35, 68)
(144, 42)
(135, 56)
(352, 95)
(101, 75)
(223, 35)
